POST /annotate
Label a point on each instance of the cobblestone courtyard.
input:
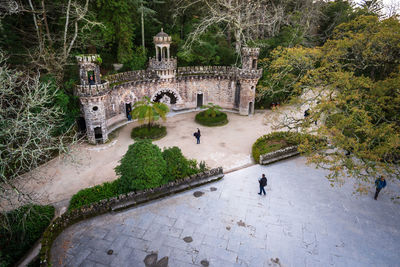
(302, 221)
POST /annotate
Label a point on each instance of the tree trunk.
(142, 19)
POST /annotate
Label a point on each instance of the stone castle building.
(105, 104)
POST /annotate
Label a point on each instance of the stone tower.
(92, 93)
(248, 77)
(163, 64)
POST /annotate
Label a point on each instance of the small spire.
(162, 30)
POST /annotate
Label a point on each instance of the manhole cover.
(110, 252)
(188, 239)
(205, 263)
(198, 193)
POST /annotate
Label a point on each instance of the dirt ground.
(87, 165)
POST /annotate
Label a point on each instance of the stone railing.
(279, 155)
(130, 76)
(165, 64)
(92, 90)
(118, 203)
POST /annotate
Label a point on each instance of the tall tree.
(28, 122)
(352, 91)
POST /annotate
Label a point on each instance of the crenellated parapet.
(207, 71)
(249, 74)
(251, 51)
(92, 90)
(114, 79)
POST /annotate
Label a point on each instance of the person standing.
(379, 184)
(263, 182)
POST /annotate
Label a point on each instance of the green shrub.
(279, 140)
(205, 119)
(144, 132)
(141, 167)
(94, 194)
(178, 166)
(20, 229)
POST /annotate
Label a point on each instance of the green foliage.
(20, 229)
(212, 110)
(144, 132)
(94, 194)
(334, 13)
(211, 49)
(117, 17)
(205, 119)
(141, 167)
(352, 84)
(138, 61)
(279, 140)
(178, 166)
(149, 111)
(66, 102)
(283, 71)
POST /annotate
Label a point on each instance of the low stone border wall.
(279, 155)
(119, 203)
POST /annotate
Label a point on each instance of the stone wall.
(120, 202)
(279, 155)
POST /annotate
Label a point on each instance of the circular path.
(302, 221)
(87, 165)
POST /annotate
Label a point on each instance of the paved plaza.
(302, 221)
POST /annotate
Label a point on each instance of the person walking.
(198, 136)
(379, 184)
(263, 182)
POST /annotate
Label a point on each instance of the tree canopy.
(351, 85)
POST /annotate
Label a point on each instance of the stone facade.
(107, 103)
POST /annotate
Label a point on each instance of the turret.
(248, 77)
(92, 93)
(162, 63)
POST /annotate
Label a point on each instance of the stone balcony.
(164, 64)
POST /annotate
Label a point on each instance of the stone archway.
(167, 96)
(126, 101)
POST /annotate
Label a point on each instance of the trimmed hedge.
(94, 194)
(144, 132)
(143, 166)
(220, 119)
(279, 140)
(27, 225)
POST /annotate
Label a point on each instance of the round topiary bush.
(153, 132)
(205, 119)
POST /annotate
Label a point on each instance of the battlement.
(250, 74)
(251, 51)
(92, 90)
(89, 58)
(130, 76)
(165, 64)
(206, 70)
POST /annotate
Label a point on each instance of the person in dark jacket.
(197, 135)
(263, 183)
(379, 183)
